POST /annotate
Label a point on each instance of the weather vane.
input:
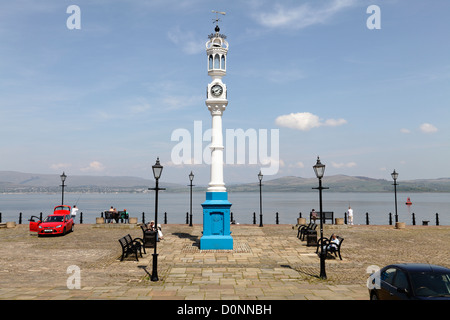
(216, 20)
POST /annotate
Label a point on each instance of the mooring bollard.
(345, 217)
(413, 219)
(231, 216)
(0, 217)
(254, 217)
(143, 217)
(390, 218)
(187, 217)
(165, 217)
(81, 217)
(437, 218)
(20, 218)
(277, 221)
(367, 218)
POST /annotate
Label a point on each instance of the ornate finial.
(216, 20)
(217, 29)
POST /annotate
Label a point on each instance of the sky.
(103, 90)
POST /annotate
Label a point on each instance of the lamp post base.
(154, 276)
(323, 274)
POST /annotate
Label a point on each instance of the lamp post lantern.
(319, 170)
(191, 178)
(63, 179)
(260, 177)
(157, 170)
(394, 176)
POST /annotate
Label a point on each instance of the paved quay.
(267, 263)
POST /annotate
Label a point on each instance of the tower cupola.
(216, 50)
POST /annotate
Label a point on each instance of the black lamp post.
(394, 176)
(260, 177)
(191, 178)
(157, 169)
(63, 179)
(319, 170)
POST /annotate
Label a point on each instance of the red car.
(60, 222)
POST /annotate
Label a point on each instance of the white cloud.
(59, 166)
(343, 165)
(190, 43)
(306, 121)
(302, 16)
(297, 165)
(428, 128)
(94, 166)
(335, 123)
(405, 131)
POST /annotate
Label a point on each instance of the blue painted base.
(216, 243)
(216, 222)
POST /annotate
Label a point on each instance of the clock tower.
(216, 101)
(216, 208)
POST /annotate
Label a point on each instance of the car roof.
(420, 267)
(63, 207)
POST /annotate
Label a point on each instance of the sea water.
(289, 205)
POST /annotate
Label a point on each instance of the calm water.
(288, 205)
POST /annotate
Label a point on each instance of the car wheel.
(64, 231)
(373, 296)
(71, 230)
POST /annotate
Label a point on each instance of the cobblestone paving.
(266, 263)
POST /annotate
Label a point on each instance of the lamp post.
(260, 177)
(191, 178)
(394, 176)
(319, 170)
(63, 179)
(157, 169)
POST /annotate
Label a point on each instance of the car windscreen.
(431, 284)
(54, 219)
(62, 208)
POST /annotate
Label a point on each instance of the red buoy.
(408, 202)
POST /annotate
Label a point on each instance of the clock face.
(216, 90)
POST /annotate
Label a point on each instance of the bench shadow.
(183, 235)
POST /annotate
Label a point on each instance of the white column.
(217, 184)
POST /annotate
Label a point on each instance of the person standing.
(350, 216)
(74, 212)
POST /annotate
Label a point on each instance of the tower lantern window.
(216, 61)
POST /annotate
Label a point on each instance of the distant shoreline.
(229, 191)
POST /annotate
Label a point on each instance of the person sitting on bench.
(333, 245)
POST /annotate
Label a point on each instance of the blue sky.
(105, 99)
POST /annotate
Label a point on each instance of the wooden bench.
(130, 246)
(330, 246)
(327, 215)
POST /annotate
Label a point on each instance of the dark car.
(410, 281)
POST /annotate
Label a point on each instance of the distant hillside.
(29, 182)
(342, 183)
